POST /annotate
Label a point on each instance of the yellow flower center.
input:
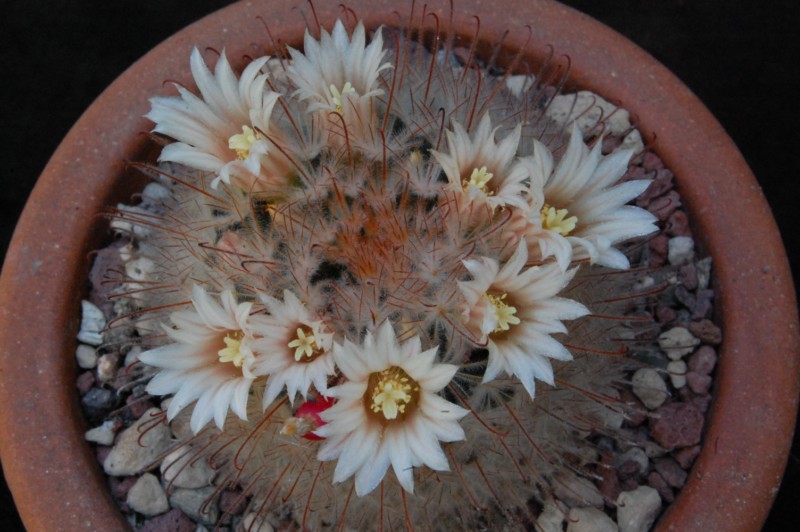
(479, 179)
(232, 352)
(337, 96)
(242, 142)
(390, 393)
(504, 312)
(306, 348)
(555, 220)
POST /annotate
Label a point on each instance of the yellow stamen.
(337, 96)
(232, 351)
(556, 221)
(479, 178)
(305, 345)
(390, 393)
(504, 312)
(242, 142)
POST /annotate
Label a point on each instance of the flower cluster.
(354, 234)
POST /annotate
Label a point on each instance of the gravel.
(633, 480)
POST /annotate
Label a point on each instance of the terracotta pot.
(56, 481)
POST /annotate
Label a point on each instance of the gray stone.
(677, 425)
(92, 324)
(172, 521)
(681, 250)
(677, 342)
(86, 356)
(636, 455)
(649, 387)
(590, 520)
(199, 504)
(181, 423)
(98, 402)
(586, 109)
(124, 220)
(182, 469)
(576, 491)
(703, 273)
(147, 496)
(551, 519)
(155, 193)
(132, 357)
(138, 446)
(637, 509)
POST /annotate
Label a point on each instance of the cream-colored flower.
(580, 202)
(221, 131)
(336, 68)
(210, 359)
(388, 412)
(296, 349)
(514, 310)
(482, 169)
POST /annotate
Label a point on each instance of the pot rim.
(734, 479)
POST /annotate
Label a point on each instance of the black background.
(740, 58)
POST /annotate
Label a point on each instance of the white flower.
(483, 169)
(580, 201)
(515, 311)
(222, 131)
(336, 68)
(210, 360)
(296, 349)
(388, 411)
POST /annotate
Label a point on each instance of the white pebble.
(147, 496)
(590, 520)
(86, 356)
(107, 368)
(102, 435)
(253, 522)
(677, 373)
(677, 342)
(681, 250)
(519, 83)
(92, 324)
(637, 509)
(649, 387)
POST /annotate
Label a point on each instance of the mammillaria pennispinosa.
(382, 284)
